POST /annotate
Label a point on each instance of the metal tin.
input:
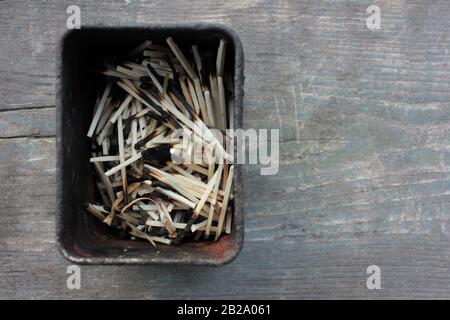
(80, 238)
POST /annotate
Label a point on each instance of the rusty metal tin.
(80, 238)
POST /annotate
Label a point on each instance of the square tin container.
(81, 238)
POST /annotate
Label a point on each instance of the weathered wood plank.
(319, 46)
(308, 253)
(365, 157)
(321, 270)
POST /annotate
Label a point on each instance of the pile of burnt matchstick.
(152, 93)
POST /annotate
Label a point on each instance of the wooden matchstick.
(123, 163)
(133, 53)
(104, 159)
(180, 56)
(193, 96)
(205, 195)
(209, 108)
(213, 202)
(201, 100)
(177, 197)
(99, 110)
(123, 171)
(197, 59)
(105, 181)
(221, 93)
(221, 57)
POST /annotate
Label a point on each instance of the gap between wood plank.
(27, 108)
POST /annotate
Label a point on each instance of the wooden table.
(364, 176)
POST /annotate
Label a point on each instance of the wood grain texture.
(31, 122)
(365, 154)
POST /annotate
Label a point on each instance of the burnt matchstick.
(143, 191)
